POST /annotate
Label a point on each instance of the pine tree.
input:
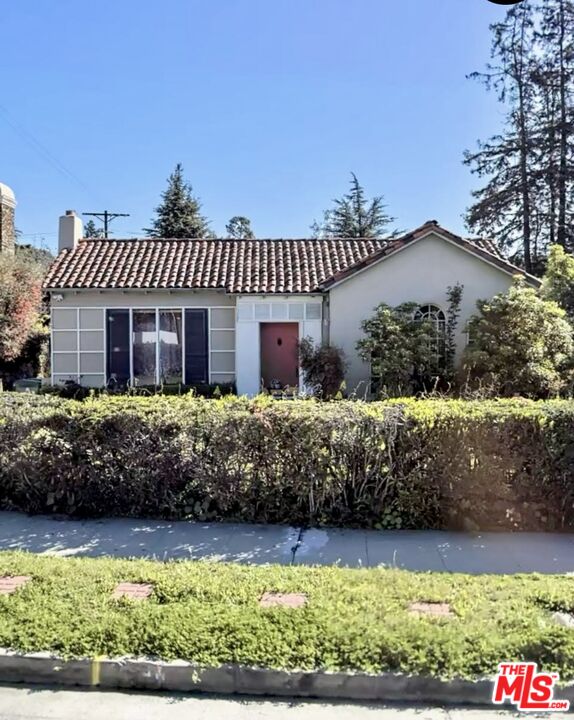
(239, 228)
(179, 214)
(503, 207)
(91, 231)
(556, 39)
(353, 216)
(547, 145)
(528, 199)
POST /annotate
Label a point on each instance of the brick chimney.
(7, 229)
(70, 232)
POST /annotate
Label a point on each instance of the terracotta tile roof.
(236, 266)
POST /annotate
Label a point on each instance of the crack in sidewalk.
(297, 545)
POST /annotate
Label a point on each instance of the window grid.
(435, 316)
(157, 309)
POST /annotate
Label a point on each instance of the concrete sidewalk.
(500, 553)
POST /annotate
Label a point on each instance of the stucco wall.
(79, 335)
(420, 273)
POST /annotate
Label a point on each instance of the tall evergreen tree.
(179, 214)
(557, 47)
(527, 202)
(547, 145)
(503, 207)
(354, 216)
(239, 228)
(91, 231)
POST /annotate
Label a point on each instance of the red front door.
(279, 357)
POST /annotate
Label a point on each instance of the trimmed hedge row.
(415, 464)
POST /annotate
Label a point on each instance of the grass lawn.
(209, 613)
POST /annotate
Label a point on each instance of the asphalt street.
(37, 703)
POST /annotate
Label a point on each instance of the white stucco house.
(195, 311)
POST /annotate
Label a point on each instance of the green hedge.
(416, 464)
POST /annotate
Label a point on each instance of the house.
(196, 311)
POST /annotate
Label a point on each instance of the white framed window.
(434, 315)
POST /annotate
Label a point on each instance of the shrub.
(20, 300)
(558, 282)
(74, 391)
(400, 349)
(521, 344)
(323, 368)
(414, 464)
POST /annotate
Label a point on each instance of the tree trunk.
(562, 232)
(524, 152)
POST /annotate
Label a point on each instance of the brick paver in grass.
(9, 584)
(288, 600)
(434, 609)
(133, 591)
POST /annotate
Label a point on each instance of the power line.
(41, 149)
(36, 234)
(106, 217)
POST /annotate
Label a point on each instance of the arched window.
(436, 317)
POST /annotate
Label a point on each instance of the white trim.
(104, 316)
(157, 344)
(51, 345)
(144, 290)
(140, 307)
(68, 374)
(183, 363)
(209, 346)
(407, 245)
(131, 344)
(78, 341)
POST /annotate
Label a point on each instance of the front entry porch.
(267, 333)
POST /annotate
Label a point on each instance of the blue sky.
(268, 104)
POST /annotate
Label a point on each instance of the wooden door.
(279, 356)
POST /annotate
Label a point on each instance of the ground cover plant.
(209, 613)
(406, 463)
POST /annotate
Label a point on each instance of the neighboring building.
(7, 228)
(197, 311)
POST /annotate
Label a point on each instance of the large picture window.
(144, 339)
(196, 368)
(118, 347)
(170, 347)
(157, 346)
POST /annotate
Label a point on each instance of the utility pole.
(106, 217)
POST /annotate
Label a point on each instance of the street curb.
(181, 676)
(144, 674)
